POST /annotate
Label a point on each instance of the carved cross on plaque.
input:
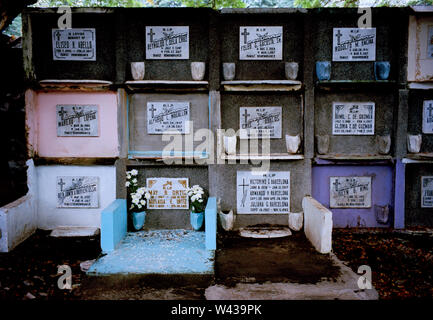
(244, 193)
(246, 115)
(62, 113)
(61, 184)
(338, 35)
(151, 34)
(245, 34)
(336, 184)
(430, 109)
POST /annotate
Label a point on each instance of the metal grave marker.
(77, 120)
(263, 193)
(350, 192)
(77, 192)
(167, 42)
(74, 44)
(260, 43)
(254, 120)
(427, 192)
(354, 44)
(353, 118)
(168, 193)
(427, 117)
(168, 116)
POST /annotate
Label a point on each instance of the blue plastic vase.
(196, 219)
(381, 70)
(323, 70)
(138, 219)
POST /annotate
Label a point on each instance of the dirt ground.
(402, 264)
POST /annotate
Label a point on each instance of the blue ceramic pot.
(138, 219)
(323, 70)
(381, 70)
(196, 219)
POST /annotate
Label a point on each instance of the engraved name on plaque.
(167, 42)
(74, 44)
(168, 193)
(168, 116)
(260, 43)
(77, 192)
(353, 118)
(77, 120)
(354, 44)
(254, 120)
(350, 192)
(263, 193)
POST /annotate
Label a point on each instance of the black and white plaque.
(74, 44)
(427, 117)
(167, 42)
(354, 44)
(350, 192)
(168, 116)
(263, 193)
(260, 43)
(353, 118)
(77, 120)
(254, 120)
(77, 192)
(427, 192)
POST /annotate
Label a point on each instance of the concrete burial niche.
(51, 215)
(419, 200)
(352, 205)
(143, 28)
(386, 21)
(299, 177)
(50, 140)
(233, 114)
(360, 143)
(100, 31)
(171, 218)
(420, 48)
(420, 118)
(145, 135)
(236, 28)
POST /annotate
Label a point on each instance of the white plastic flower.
(134, 180)
(128, 176)
(140, 191)
(134, 172)
(127, 184)
(143, 202)
(136, 201)
(139, 206)
(147, 195)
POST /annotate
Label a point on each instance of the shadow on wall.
(13, 179)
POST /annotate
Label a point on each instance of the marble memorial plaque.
(168, 116)
(350, 192)
(260, 43)
(164, 42)
(430, 43)
(77, 192)
(427, 117)
(353, 118)
(168, 193)
(354, 44)
(74, 44)
(427, 192)
(77, 120)
(265, 193)
(253, 120)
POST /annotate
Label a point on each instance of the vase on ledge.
(137, 220)
(196, 220)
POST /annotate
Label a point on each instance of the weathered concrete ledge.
(318, 224)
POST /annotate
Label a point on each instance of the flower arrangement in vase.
(197, 203)
(137, 201)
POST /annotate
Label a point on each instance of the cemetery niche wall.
(419, 146)
(356, 104)
(332, 95)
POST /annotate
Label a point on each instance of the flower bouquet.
(197, 204)
(137, 201)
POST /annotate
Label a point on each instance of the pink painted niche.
(44, 127)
